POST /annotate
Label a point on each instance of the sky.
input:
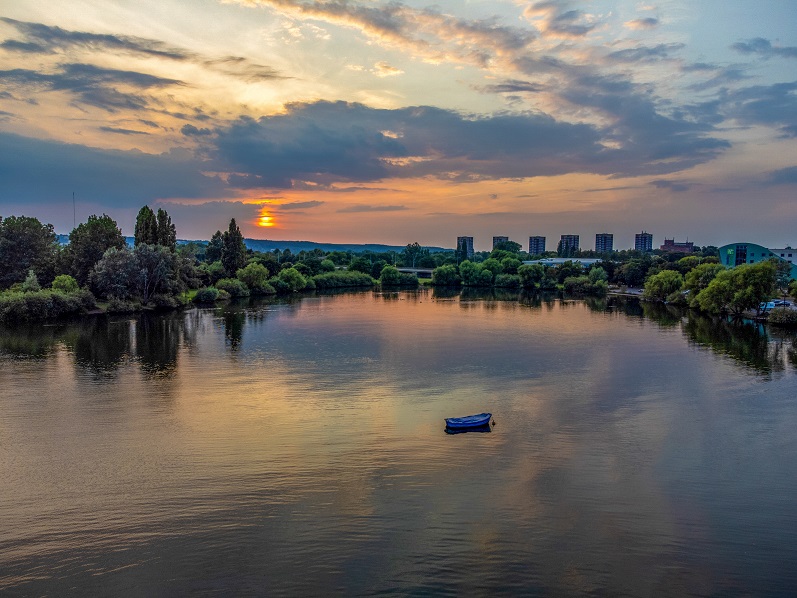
(346, 121)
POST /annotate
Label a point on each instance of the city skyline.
(394, 122)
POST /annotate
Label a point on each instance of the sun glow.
(266, 220)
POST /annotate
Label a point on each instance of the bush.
(507, 281)
(31, 283)
(280, 286)
(293, 278)
(206, 295)
(253, 275)
(310, 284)
(389, 276)
(233, 286)
(343, 279)
(445, 276)
(783, 316)
(163, 301)
(121, 306)
(43, 305)
(65, 284)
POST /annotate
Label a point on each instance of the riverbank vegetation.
(100, 270)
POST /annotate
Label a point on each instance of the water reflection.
(314, 458)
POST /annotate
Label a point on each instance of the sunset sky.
(394, 122)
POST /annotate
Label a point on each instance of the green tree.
(568, 269)
(782, 275)
(167, 233)
(360, 264)
(531, 275)
(294, 280)
(114, 274)
(254, 275)
(660, 286)
(65, 284)
(739, 289)
(510, 265)
(510, 246)
(699, 278)
(446, 276)
(214, 247)
(327, 266)
(89, 242)
(146, 230)
(493, 265)
(390, 276)
(412, 254)
(26, 243)
(156, 271)
(31, 283)
(233, 251)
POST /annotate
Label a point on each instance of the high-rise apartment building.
(604, 242)
(497, 240)
(536, 245)
(568, 245)
(643, 241)
(465, 247)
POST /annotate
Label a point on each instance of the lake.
(297, 448)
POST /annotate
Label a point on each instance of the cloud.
(725, 76)
(298, 205)
(674, 186)
(91, 85)
(122, 131)
(242, 68)
(192, 131)
(427, 32)
(769, 105)
(784, 176)
(642, 24)
(555, 18)
(42, 172)
(644, 53)
(513, 86)
(331, 142)
(43, 39)
(763, 47)
(383, 69)
(370, 208)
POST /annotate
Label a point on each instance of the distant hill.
(264, 245)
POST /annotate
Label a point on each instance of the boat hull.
(469, 421)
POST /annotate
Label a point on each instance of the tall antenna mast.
(74, 212)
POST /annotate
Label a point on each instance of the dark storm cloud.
(328, 142)
(41, 172)
(784, 176)
(644, 53)
(763, 47)
(90, 85)
(44, 39)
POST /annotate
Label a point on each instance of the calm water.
(298, 449)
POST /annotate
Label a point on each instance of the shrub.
(310, 286)
(233, 286)
(390, 276)
(408, 280)
(293, 278)
(31, 283)
(253, 275)
(65, 284)
(280, 286)
(43, 305)
(783, 316)
(120, 306)
(507, 281)
(163, 301)
(343, 279)
(445, 276)
(206, 295)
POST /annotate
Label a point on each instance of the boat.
(469, 421)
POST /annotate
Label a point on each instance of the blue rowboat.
(469, 421)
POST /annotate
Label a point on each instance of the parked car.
(764, 307)
(781, 303)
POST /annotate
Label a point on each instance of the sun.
(265, 220)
